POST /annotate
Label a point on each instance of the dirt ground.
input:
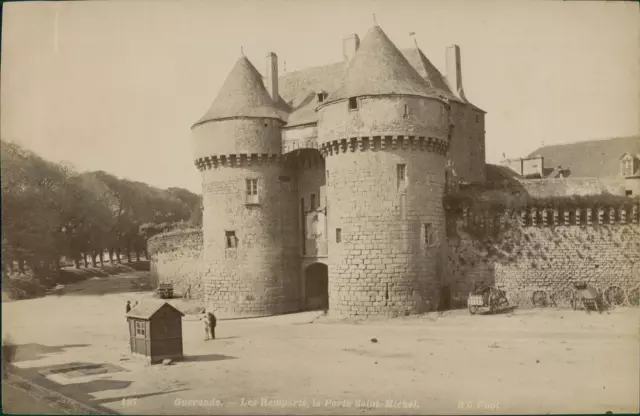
(527, 361)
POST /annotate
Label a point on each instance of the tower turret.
(249, 239)
(384, 134)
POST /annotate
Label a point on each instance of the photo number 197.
(129, 402)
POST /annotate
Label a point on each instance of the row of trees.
(50, 211)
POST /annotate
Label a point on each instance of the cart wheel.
(539, 298)
(633, 297)
(473, 309)
(614, 295)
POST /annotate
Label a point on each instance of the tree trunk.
(101, 258)
(128, 252)
(93, 259)
(110, 255)
(21, 266)
(146, 253)
(118, 255)
(137, 254)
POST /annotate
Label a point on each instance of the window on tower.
(313, 202)
(252, 187)
(353, 103)
(429, 235)
(252, 191)
(401, 173)
(338, 235)
(230, 239)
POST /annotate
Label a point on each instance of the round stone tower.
(248, 237)
(384, 134)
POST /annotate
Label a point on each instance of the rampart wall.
(543, 249)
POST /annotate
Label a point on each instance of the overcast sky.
(116, 85)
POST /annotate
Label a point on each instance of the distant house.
(614, 164)
(155, 331)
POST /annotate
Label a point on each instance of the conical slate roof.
(437, 83)
(243, 95)
(377, 68)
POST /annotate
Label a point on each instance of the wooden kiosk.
(155, 331)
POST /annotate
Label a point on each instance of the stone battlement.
(375, 143)
(549, 217)
(241, 159)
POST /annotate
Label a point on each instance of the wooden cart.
(487, 297)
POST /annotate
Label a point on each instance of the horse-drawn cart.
(487, 297)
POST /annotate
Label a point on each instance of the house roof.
(597, 158)
(243, 95)
(149, 307)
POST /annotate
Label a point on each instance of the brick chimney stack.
(350, 45)
(454, 70)
(271, 76)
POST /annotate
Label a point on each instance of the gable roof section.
(305, 113)
(149, 307)
(294, 87)
(243, 95)
(596, 158)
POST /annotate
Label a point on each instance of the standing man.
(207, 326)
(212, 324)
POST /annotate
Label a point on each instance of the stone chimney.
(454, 70)
(271, 76)
(350, 45)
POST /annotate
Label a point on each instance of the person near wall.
(128, 308)
(211, 318)
(207, 327)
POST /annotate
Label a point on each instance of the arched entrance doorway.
(317, 286)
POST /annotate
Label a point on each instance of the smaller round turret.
(249, 240)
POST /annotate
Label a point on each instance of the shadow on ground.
(501, 311)
(81, 391)
(207, 357)
(33, 351)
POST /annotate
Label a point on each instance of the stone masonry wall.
(521, 259)
(383, 116)
(261, 275)
(383, 265)
(468, 143)
(176, 257)
(237, 136)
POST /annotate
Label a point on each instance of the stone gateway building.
(324, 187)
